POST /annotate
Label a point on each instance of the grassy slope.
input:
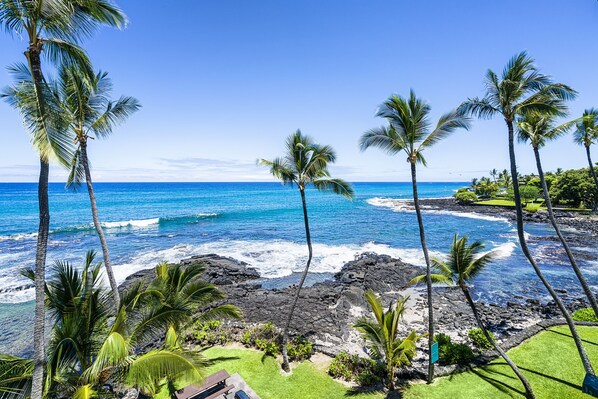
(549, 360)
(308, 381)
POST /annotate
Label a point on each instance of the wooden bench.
(210, 382)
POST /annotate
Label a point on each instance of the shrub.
(479, 339)
(210, 333)
(533, 208)
(299, 349)
(364, 372)
(585, 314)
(451, 353)
(266, 337)
(465, 197)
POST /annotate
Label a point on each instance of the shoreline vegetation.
(149, 337)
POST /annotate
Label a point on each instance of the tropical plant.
(381, 336)
(586, 134)
(494, 175)
(574, 188)
(527, 194)
(522, 89)
(505, 178)
(486, 188)
(537, 129)
(465, 262)
(52, 28)
(465, 197)
(87, 110)
(409, 131)
(89, 347)
(304, 164)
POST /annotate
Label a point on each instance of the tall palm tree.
(409, 131)
(537, 129)
(304, 163)
(523, 89)
(88, 110)
(54, 29)
(381, 336)
(463, 264)
(586, 134)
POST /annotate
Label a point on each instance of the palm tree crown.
(409, 129)
(586, 132)
(539, 128)
(521, 89)
(307, 163)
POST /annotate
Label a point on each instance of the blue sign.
(590, 385)
(434, 353)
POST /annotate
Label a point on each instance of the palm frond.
(338, 186)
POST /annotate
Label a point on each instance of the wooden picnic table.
(211, 381)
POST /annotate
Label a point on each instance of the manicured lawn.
(496, 202)
(308, 380)
(549, 360)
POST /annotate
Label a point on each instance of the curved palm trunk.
(285, 332)
(593, 173)
(524, 248)
(391, 378)
(98, 226)
(529, 393)
(39, 339)
(422, 237)
(578, 273)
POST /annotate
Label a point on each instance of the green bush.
(270, 348)
(585, 314)
(299, 349)
(451, 353)
(465, 197)
(533, 208)
(262, 332)
(364, 372)
(479, 339)
(210, 333)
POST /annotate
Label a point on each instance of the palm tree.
(381, 336)
(305, 163)
(88, 110)
(586, 134)
(523, 89)
(537, 129)
(494, 174)
(409, 131)
(53, 28)
(85, 352)
(505, 178)
(464, 263)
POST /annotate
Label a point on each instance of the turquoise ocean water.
(259, 223)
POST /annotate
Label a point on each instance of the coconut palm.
(85, 352)
(305, 164)
(586, 134)
(537, 129)
(505, 178)
(409, 131)
(494, 175)
(465, 262)
(52, 28)
(522, 89)
(87, 111)
(381, 336)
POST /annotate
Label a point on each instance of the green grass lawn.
(308, 380)
(496, 202)
(549, 360)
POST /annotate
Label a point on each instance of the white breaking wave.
(405, 206)
(131, 223)
(272, 259)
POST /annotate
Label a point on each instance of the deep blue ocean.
(259, 223)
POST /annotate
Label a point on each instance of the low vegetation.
(585, 314)
(453, 353)
(353, 368)
(476, 335)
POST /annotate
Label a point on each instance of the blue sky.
(222, 83)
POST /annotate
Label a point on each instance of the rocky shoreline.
(326, 311)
